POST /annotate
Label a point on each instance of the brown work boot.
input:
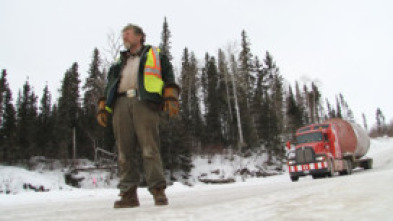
(159, 196)
(128, 199)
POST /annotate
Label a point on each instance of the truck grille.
(305, 155)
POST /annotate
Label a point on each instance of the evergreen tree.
(315, 97)
(213, 124)
(274, 108)
(246, 81)
(338, 109)
(175, 142)
(94, 89)
(260, 89)
(68, 110)
(224, 102)
(26, 122)
(204, 82)
(45, 127)
(7, 123)
(365, 122)
(294, 113)
(269, 133)
(189, 103)
(165, 44)
(331, 112)
(246, 78)
(2, 92)
(194, 101)
(347, 113)
(239, 128)
(277, 91)
(301, 103)
(186, 87)
(381, 125)
(55, 141)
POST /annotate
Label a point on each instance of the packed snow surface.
(364, 195)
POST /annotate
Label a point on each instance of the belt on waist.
(128, 93)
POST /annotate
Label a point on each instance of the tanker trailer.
(333, 146)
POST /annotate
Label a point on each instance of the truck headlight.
(320, 158)
(291, 162)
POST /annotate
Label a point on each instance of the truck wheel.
(346, 169)
(316, 176)
(331, 169)
(294, 178)
(368, 164)
(349, 167)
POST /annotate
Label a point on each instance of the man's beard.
(127, 45)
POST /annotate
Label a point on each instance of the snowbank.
(14, 180)
(230, 168)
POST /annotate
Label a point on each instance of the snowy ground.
(365, 195)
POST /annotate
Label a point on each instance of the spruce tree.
(26, 122)
(55, 141)
(331, 113)
(381, 125)
(8, 128)
(274, 107)
(213, 124)
(277, 91)
(246, 81)
(338, 109)
(347, 113)
(165, 44)
(225, 104)
(2, 95)
(315, 101)
(189, 102)
(194, 101)
(175, 141)
(95, 135)
(8, 123)
(204, 82)
(257, 102)
(364, 122)
(186, 87)
(45, 129)
(301, 102)
(68, 110)
(294, 113)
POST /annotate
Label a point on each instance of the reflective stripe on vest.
(152, 73)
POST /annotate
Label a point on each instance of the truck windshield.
(308, 138)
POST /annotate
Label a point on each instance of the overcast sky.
(345, 45)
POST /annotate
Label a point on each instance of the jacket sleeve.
(167, 70)
(109, 79)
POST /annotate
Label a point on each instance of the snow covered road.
(365, 195)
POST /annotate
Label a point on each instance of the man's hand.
(102, 115)
(171, 100)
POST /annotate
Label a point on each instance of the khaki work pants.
(135, 125)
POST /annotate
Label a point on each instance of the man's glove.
(171, 99)
(102, 115)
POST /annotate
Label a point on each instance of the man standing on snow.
(139, 86)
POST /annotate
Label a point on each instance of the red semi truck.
(323, 149)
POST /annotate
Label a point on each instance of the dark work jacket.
(114, 75)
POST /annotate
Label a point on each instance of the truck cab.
(314, 152)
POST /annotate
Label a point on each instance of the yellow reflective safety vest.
(152, 74)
